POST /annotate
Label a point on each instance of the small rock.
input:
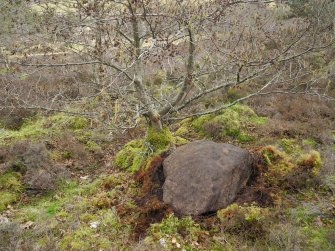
(162, 242)
(4, 220)
(94, 224)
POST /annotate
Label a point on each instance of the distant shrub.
(14, 119)
(29, 155)
(31, 160)
(323, 11)
(299, 7)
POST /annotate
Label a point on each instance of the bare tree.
(159, 58)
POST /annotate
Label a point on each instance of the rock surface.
(204, 176)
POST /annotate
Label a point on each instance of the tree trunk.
(154, 117)
(155, 121)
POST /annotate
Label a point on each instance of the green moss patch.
(39, 127)
(235, 122)
(175, 233)
(134, 154)
(290, 146)
(159, 140)
(7, 198)
(10, 188)
(290, 168)
(31, 129)
(131, 156)
(249, 220)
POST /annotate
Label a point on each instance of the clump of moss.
(102, 200)
(30, 129)
(279, 165)
(40, 126)
(130, 157)
(233, 122)
(249, 220)
(184, 128)
(180, 140)
(10, 188)
(67, 122)
(159, 140)
(67, 154)
(93, 146)
(311, 161)
(7, 198)
(182, 131)
(272, 155)
(290, 146)
(76, 123)
(134, 154)
(293, 170)
(309, 142)
(175, 233)
(198, 123)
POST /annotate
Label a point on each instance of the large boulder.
(204, 176)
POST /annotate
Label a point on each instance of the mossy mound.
(294, 169)
(131, 156)
(10, 188)
(233, 122)
(134, 154)
(249, 220)
(159, 140)
(38, 127)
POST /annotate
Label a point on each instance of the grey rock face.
(204, 176)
